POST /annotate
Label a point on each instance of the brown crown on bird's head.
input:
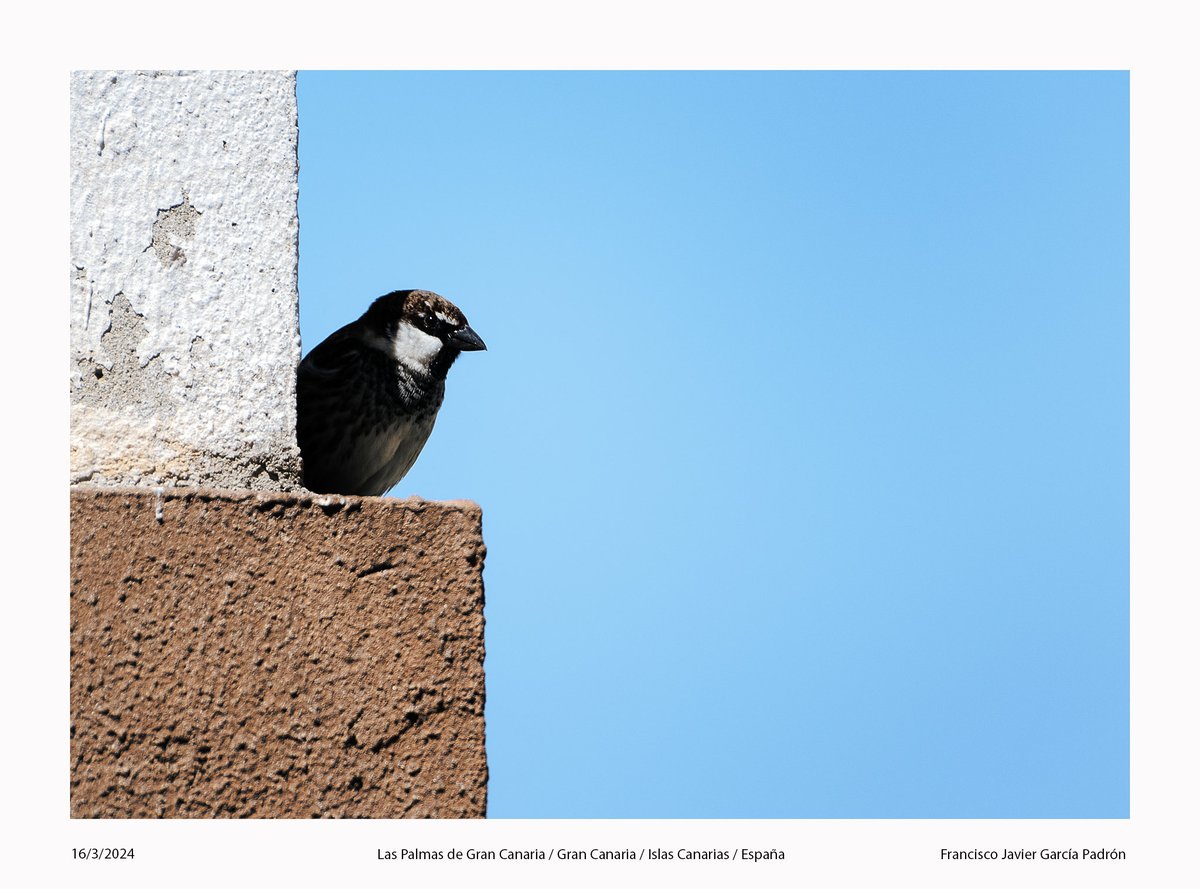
(428, 312)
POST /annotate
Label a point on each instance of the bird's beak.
(466, 340)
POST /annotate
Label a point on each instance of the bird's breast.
(364, 424)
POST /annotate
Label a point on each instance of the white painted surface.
(184, 311)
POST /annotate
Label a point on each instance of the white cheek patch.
(413, 348)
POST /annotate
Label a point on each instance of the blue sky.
(803, 434)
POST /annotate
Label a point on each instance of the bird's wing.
(332, 415)
(338, 354)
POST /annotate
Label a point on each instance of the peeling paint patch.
(172, 228)
(117, 380)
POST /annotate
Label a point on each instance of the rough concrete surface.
(184, 309)
(239, 654)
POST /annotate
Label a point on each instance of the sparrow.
(368, 395)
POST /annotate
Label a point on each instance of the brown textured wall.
(240, 654)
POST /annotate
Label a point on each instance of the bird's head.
(420, 329)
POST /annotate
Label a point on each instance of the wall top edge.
(328, 502)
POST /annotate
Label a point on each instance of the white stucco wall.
(184, 311)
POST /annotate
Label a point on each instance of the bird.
(368, 395)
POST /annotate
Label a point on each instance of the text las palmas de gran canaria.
(580, 854)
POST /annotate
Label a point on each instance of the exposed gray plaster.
(173, 228)
(114, 378)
